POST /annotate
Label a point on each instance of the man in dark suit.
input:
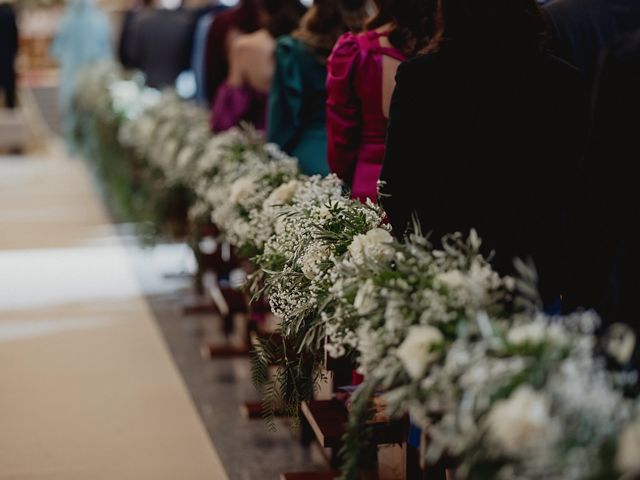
(605, 239)
(8, 52)
(124, 44)
(160, 44)
(584, 29)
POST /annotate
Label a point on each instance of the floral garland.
(500, 388)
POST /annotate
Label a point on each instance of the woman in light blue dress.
(84, 36)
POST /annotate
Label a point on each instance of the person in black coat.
(584, 29)
(124, 42)
(606, 257)
(8, 52)
(160, 42)
(486, 131)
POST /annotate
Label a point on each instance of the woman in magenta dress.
(361, 72)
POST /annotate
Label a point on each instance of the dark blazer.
(584, 29)
(490, 141)
(160, 44)
(607, 256)
(8, 39)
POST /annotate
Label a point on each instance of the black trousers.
(8, 88)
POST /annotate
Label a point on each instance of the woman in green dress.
(297, 100)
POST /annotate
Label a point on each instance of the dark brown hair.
(493, 24)
(411, 22)
(247, 16)
(284, 15)
(327, 20)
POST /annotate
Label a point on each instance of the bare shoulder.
(249, 43)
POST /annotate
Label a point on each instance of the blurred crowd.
(510, 116)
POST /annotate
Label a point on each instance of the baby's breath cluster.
(499, 388)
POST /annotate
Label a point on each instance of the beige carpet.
(88, 390)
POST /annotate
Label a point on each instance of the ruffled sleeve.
(230, 107)
(285, 97)
(343, 107)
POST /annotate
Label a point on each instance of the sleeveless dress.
(356, 125)
(297, 106)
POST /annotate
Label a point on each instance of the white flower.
(394, 319)
(315, 254)
(521, 422)
(374, 245)
(124, 94)
(365, 301)
(241, 190)
(417, 351)
(283, 194)
(452, 279)
(621, 342)
(324, 213)
(628, 456)
(536, 332)
(472, 286)
(185, 156)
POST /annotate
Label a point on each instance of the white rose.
(536, 332)
(324, 213)
(311, 259)
(520, 422)
(620, 342)
(374, 245)
(417, 351)
(628, 456)
(241, 189)
(283, 194)
(365, 301)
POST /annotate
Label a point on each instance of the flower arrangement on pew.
(243, 205)
(311, 236)
(499, 389)
(170, 134)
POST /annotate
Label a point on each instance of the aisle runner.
(88, 390)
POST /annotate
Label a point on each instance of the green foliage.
(358, 453)
(294, 381)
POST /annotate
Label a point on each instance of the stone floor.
(219, 387)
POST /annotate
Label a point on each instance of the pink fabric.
(233, 105)
(356, 125)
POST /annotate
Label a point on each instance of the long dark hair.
(284, 15)
(327, 20)
(248, 16)
(494, 24)
(411, 22)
